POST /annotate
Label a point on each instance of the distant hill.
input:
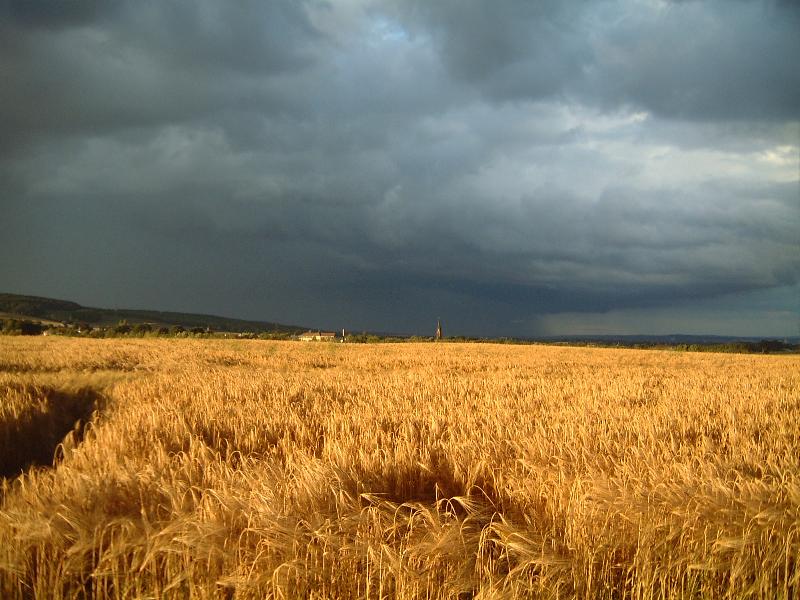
(49, 309)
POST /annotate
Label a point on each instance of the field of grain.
(253, 469)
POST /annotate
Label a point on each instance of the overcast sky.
(513, 167)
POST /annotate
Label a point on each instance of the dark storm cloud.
(511, 49)
(716, 59)
(377, 164)
(55, 15)
(72, 67)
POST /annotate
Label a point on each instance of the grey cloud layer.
(494, 161)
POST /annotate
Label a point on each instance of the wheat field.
(252, 469)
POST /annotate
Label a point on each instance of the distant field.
(253, 469)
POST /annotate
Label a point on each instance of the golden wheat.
(251, 469)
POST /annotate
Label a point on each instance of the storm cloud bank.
(516, 168)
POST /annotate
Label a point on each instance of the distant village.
(329, 336)
(20, 325)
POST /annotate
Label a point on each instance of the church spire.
(438, 329)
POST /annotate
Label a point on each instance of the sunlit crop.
(253, 469)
